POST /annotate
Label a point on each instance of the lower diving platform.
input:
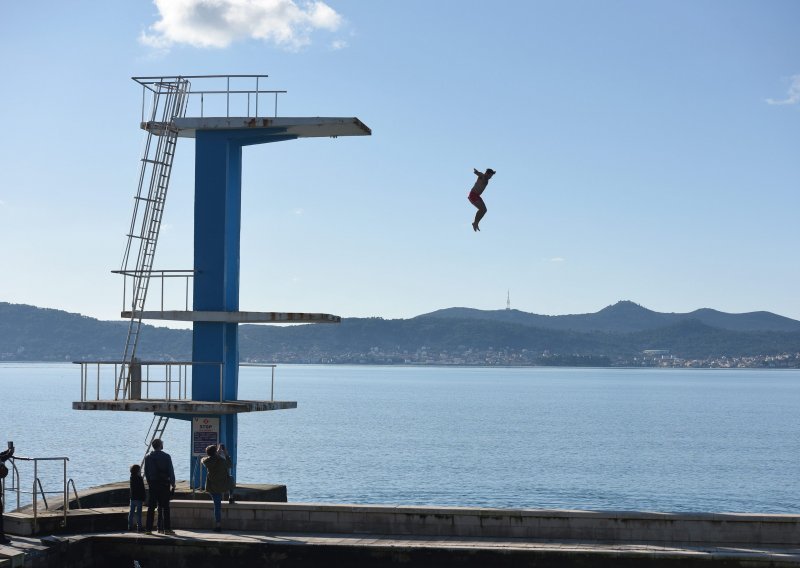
(185, 406)
(164, 387)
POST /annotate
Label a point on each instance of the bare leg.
(478, 216)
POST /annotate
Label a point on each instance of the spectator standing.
(160, 477)
(217, 463)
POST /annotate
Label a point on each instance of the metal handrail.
(186, 274)
(38, 482)
(272, 386)
(71, 482)
(159, 85)
(174, 389)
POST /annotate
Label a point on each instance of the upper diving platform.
(236, 102)
(296, 127)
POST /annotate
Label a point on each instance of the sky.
(645, 151)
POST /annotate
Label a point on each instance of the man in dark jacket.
(161, 481)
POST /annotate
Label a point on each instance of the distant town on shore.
(622, 335)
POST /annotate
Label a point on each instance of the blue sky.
(646, 151)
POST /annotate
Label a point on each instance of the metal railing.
(146, 376)
(170, 380)
(242, 94)
(272, 379)
(37, 489)
(162, 275)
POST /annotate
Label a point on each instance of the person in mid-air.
(475, 195)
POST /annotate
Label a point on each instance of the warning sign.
(205, 432)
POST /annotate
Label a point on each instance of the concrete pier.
(309, 534)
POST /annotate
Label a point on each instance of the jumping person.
(475, 195)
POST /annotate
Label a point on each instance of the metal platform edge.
(299, 127)
(186, 407)
(234, 317)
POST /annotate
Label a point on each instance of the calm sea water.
(623, 439)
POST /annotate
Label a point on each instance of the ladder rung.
(139, 237)
(146, 199)
(149, 161)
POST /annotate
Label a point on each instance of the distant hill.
(626, 317)
(28, 333)
(453, 336)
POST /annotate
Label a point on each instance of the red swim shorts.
(474, 198)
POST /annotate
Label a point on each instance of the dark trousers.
(159, 496)
(2, 531)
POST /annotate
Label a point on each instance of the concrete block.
(11, 557)
(466, 520)
(292, 516)
(329, 517)
(783, 533)
(268, 515)
(350, 517)
(494, 521)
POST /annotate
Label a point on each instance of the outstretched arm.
(477, 173)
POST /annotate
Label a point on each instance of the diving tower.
(222, 114)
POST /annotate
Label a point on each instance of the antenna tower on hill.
(508, 300)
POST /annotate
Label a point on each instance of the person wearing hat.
(475, 195)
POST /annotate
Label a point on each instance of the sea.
(557, 438)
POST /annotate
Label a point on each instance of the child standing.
(138, 497)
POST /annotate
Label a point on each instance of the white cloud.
(299, 211)
(338, 44)
(793, 96)
(556, 259)
(218, 23)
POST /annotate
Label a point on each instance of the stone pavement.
(36, 550)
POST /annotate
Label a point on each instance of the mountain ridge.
(618, 334)
(626, 316)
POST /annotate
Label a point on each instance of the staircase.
(169, 100)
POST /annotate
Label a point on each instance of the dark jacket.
(137, 488)
(158, 469)
(217, 479)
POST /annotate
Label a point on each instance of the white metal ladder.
(170, 98)
(156, 430)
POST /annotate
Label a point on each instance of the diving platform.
(220, 115)
(293, 127)
(233, 317)
(185, 406)
(165, 387)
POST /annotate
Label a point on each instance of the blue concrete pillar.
(217, 223)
